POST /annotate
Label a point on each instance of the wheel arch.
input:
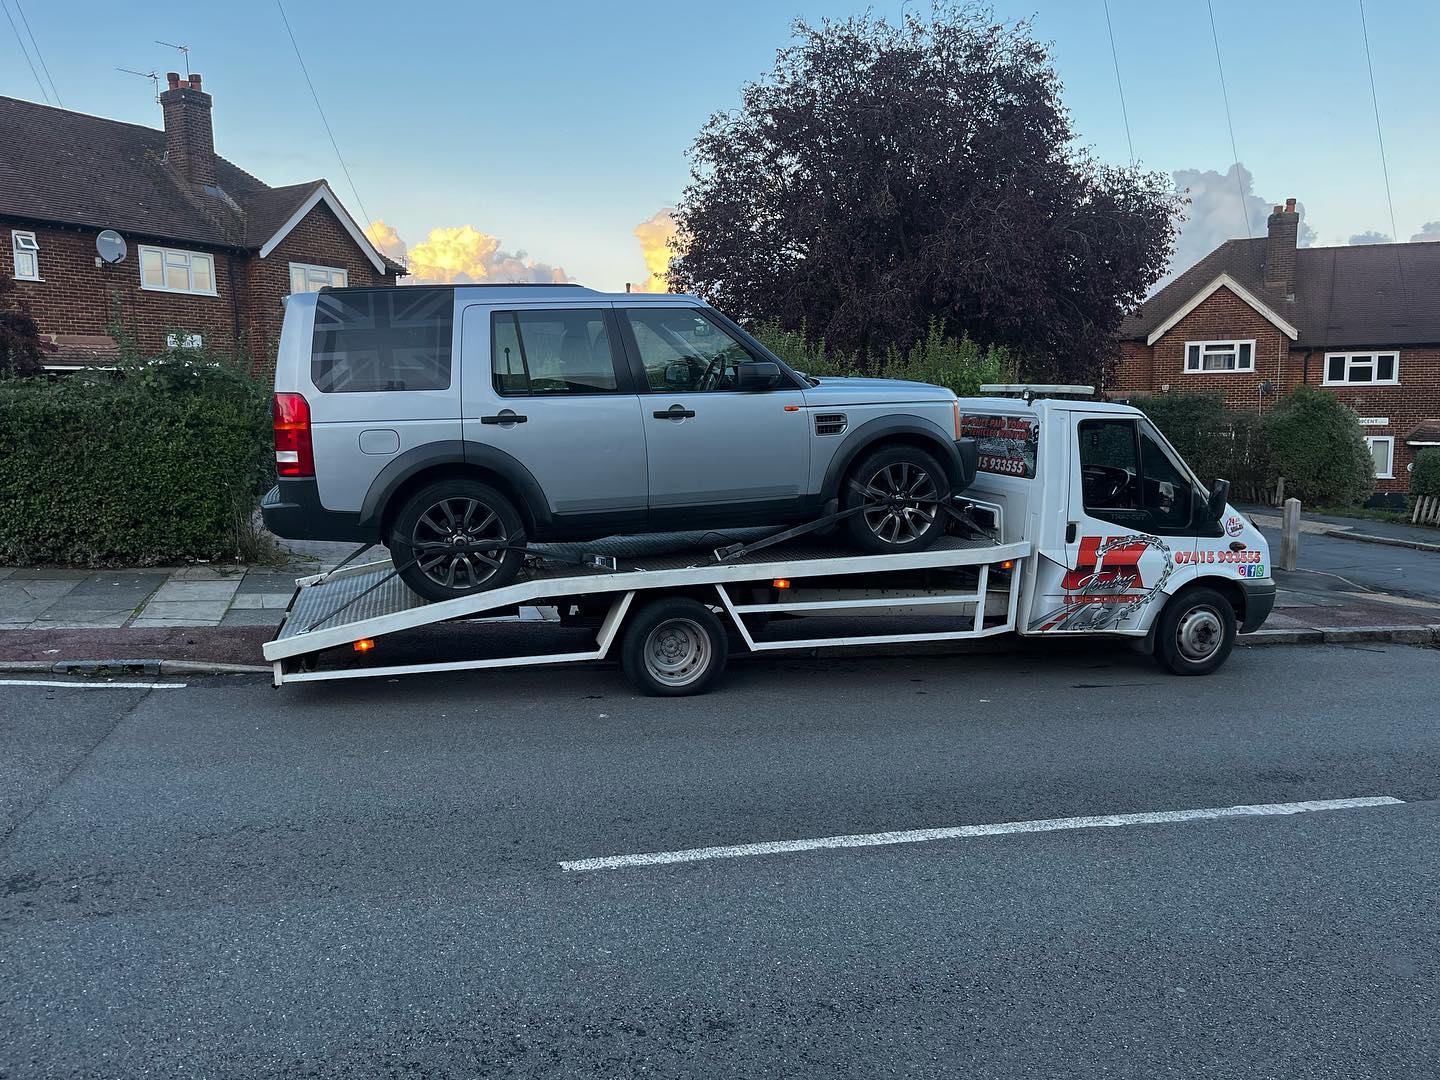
(453, 458)
(887, 431)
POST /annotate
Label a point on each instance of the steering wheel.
(710, 378)
(1104, 484)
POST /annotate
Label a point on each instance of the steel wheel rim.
(1199, 634)
(677, 652)
(907, 499)
(450, 541)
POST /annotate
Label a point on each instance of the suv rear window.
(373, 340)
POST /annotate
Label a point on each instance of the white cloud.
(1429, 231)
(460, 254)
(1221, 207)
(1370, 236)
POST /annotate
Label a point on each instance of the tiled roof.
(74, 169)
(1370, 294)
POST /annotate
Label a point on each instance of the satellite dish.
(110, 246)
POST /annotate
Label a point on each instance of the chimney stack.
(1283, 227)
(189, 138)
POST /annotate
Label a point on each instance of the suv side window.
(373, 340)
(683, 350)
(538, 353)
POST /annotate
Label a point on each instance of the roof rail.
(1030, 391)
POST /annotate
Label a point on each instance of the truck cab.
(1126, 540)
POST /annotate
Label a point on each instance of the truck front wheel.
(1196, 632)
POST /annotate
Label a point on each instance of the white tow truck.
(1083, 520)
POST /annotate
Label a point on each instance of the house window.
(307, 278)
(1382, 451)
(1362, 369)
(168, 270)
(27, 256)
(1202, 356)
(178, 340)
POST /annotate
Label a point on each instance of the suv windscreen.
(683, 350)
(551, 352)
(373, 340)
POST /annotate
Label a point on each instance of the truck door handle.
(675, 412)
(1070, 533)
(504, 418)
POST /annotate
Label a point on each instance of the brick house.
(1256, 318)
(210, 250)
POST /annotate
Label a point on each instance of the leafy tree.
(886, 175)
(1318, 447)
(21, 346)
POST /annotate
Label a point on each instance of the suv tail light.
(294, 454)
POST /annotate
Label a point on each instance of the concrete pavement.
(364, 880)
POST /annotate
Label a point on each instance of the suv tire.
(438, 534)
(674, 647)
(910, 484)
(1196, 632)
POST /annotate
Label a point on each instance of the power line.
(38, 54)
(321, 109)
(1379, 134)
(1118, 84)
(24, 51)
(1225, 95)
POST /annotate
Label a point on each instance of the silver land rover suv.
(456, 423)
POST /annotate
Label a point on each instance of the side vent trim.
(831, 423)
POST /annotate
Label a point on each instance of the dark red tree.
(21, 347)
(885, 175)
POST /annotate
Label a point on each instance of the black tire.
(909, 484)
(673, 648)
(1196, 632)
(445, 523)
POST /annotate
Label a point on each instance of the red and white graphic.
(1107, 585)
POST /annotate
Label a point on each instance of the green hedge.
(1425, 478)
(1214, 440)
(162, 464)
(1319, 448)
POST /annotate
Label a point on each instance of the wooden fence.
(1427, 510)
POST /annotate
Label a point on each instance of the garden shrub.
(160, 464)
(1214, 440)
(1318, 447)
(1425, 477)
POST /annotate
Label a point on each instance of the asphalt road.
(363, 880)
(1329, 564)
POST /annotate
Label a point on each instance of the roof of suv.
(539, 292)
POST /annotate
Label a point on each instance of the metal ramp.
(358, 603)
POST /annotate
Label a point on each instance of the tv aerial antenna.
(183, 50)
(153, 76)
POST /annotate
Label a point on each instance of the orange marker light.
(781, 583)
(792, 408)
(1008, 564)
(365, 644)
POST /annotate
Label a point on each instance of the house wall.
(79, 302)
(1224, 316)
(319, 240)
(76, 298)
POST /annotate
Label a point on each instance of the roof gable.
(319, 193)
(1223, 281)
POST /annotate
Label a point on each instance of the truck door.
(1131, 522)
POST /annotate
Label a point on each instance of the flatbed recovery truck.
(1083, 520)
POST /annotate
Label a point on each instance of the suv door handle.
(504, 418)
(675, 412)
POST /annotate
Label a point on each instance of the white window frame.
(330, 270)
(1388, 440)
(165, 254)
(19, 247)
(1206, 346)
(1373, 356)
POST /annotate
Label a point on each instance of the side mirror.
(1219, 496)
(757, 375)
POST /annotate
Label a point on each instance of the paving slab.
(253, 617)
(174, 590)
(260, 581)
(206, 573)
(196, 612)
(259, 601)
(26, 599)
(48, 573)
(71, 619)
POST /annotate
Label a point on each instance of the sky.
(546, 140)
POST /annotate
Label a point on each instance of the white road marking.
(958, 832)
(96, 685)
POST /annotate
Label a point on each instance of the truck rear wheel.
(674, 647)
(1196, 632)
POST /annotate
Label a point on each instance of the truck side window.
(1169, 492)
(1110, 466)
